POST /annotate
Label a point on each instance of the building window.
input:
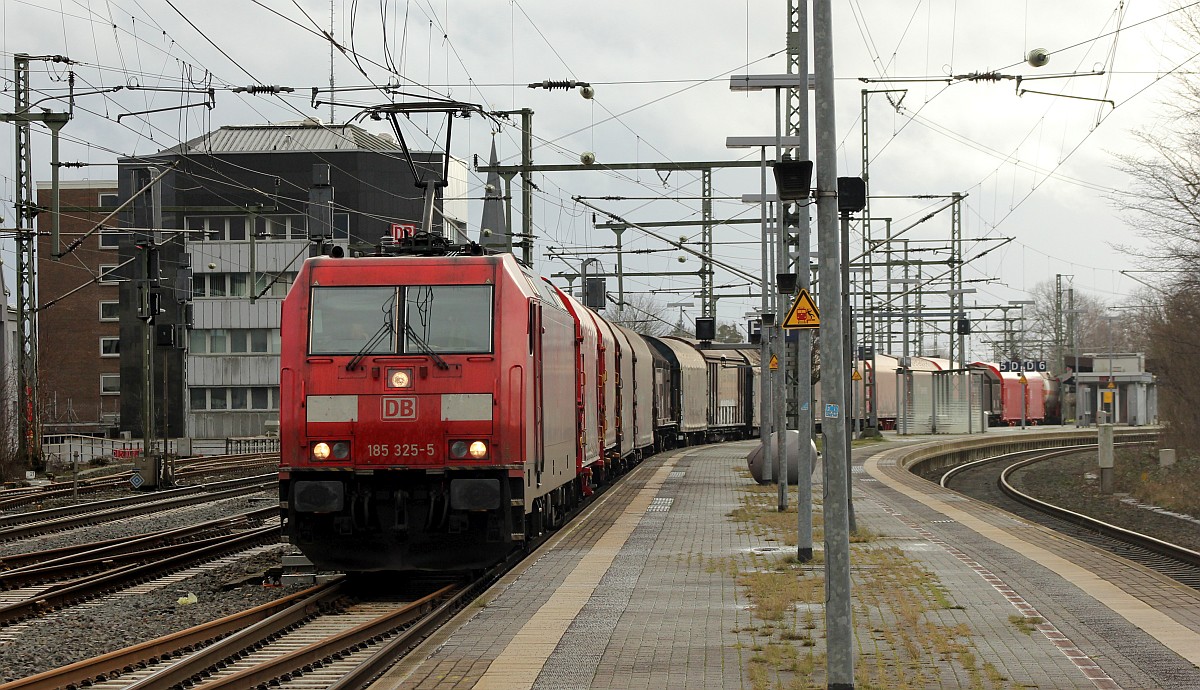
(238, 341)
(110, 311)
(293, 227)
(110, 347)
(110, 384)
(253, 398)
(238, 284)
(105, 277)
(109, 199)
(216, 228)
(218, 341)
(111, 238)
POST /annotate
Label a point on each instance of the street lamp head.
(758, 82)
(792, 179)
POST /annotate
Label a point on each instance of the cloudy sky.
(1037, 168)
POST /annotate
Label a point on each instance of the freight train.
(999, 393)
(441, 407)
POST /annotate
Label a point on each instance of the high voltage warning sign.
(803, 313)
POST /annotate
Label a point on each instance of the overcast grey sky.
(1036, 168)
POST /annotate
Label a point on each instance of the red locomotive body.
(428, 411)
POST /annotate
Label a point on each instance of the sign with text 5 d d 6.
(1016, 365)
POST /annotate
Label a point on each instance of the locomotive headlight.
(341, 450)
(476, 450)
(320, 451)
(399, 378)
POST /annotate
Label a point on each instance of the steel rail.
(74, 516)
(98, 668)
(89, 586)
(316, 653)
(125, 544)
(1145, 541)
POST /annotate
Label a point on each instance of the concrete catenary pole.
(838, 622)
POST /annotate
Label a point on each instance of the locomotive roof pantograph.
(804, 312)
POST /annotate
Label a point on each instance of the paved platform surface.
(680, 578)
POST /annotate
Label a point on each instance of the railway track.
(989, 480)
(38, 522)
(83, 576)
(315, 643)
(35, 567)
(185, 468)
(329, 636)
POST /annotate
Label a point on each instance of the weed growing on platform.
(899, 598)
(908, 646)
(862, 535)
(774, 593)
(761, 515)
(1025, 624)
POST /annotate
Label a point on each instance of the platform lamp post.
(771, 407)
(793, 180)
(591, 298)
(1021, 304)
(902, 392)
(851, 198)
(1073, 315)
(682, 306)
(962, 327)
(1111, 413)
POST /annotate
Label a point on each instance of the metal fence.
(61, 450)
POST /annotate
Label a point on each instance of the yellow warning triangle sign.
(856, 376)
(803, 313)
(774, 362)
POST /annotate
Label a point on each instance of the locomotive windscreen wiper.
(425, 348)
(384, 330)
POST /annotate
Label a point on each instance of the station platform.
(681, 578)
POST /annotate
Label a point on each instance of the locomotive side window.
(353, 320)
(448, 318)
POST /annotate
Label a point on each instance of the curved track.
(988, 480)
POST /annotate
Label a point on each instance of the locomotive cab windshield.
(445, 319)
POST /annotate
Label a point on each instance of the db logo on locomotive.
(399, 408)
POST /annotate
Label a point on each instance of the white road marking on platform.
(518, 666)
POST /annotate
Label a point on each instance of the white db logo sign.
(400, 408)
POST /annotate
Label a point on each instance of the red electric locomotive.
(428, 410)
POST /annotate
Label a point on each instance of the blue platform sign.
(831, 411)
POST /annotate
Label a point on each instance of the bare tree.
(1163, 204)
(1098, 327)
(1176, 352)
(728, 333)
(642, 314)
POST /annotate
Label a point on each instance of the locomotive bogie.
(404, 519)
